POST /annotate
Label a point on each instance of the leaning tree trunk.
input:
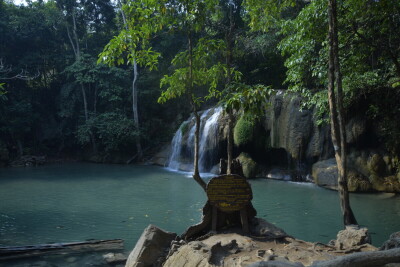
(196, 172)
(134, 94)
(336, 111)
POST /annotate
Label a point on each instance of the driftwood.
(364, 259)
(7, 253)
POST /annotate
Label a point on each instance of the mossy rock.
(357, 183)
(392, 184)
(376, 165)
(244, 131)
(250, 167)
(389, 184)
(249, 135)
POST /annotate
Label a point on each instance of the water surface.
(75, 202)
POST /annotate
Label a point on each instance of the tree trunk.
(230, 142)
(336, 115)
(229, 54)
(196, 173)
(364, 259)
(139, 154)
(135, 110)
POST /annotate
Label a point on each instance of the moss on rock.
(244, 131)
(250, 167)
(357, 183)
(376, 165)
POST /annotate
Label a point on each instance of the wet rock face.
(151, 248)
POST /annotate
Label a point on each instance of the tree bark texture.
(230, 142)
(135, 109)
(338, 132)
(228, 59)
(135, 112)
(196, 172)
(364, 259)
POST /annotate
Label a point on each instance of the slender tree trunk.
(229, 41)
(85, 105)
(196, 172)
(230, 142)
(134, 95)
(135, 110)
(338, 132)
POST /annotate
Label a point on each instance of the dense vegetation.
(58, 98)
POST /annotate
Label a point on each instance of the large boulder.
(325, 173)
(151, 248)
(250, 167)
(352, 236)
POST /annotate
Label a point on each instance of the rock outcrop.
(352, 236)
(151, 248)
(367, 171)
(289, 144)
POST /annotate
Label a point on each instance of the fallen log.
(363, 259)
(7, 253)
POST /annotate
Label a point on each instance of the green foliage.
(203, 72)
(133, 42)
(264, 15)
(113, 130)
(250, 99)
(365, 61)
(244, 131)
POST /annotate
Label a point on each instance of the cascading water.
(182, 145)
(209, 141)
(173, 161)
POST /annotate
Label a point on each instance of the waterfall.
(182, 145)
(209, 141)
(173, 161)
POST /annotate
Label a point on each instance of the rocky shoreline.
(267, 245)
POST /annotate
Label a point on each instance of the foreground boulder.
(151, 248)
(352, 236)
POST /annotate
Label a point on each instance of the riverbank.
(267, 245)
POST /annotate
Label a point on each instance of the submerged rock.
(151, 247)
